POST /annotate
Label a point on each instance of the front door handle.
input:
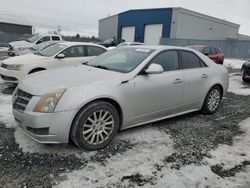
(204, 76)
(177, 81)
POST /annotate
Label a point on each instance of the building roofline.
(205, 16)
(180, 9)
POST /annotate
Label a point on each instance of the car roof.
(67, 43)
(160, 47)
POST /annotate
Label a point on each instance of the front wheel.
(212, 100)
(95, 126)
(244, 77)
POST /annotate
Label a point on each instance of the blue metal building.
(149, 25)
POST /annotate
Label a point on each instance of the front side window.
(121, 59)
(168, 60)
(190, 60)
(95, 50)
(75, 51)
(51, 50)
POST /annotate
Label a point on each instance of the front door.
(158, 95)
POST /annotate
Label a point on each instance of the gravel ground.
(193, 135)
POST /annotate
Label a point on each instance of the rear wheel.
(212, 100)
(95, 126)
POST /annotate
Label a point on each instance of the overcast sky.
(82, 15)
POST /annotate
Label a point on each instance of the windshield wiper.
(101, 67)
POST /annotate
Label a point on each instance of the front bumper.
(46, 128)
(10, 76)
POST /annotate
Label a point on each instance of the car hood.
(24, 59)
(43, 82)
(21, 43)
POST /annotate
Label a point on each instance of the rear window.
(213, 51)
(190, 60)
(55, 38)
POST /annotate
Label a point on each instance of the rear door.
(196, 77)
(158, 95)
(93, 51)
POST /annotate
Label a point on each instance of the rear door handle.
(204, 76)
(177, 81)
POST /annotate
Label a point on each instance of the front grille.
(8, 78)
(21, 100)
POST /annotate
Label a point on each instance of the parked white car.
(122, 88)
(16, 46)
(14, 69)
(125, 44)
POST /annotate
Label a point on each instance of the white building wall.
(187, 24)
(108, 27)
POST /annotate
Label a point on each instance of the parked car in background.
(112, 42)
(123, 88)
(16, 46)
(212, 52)
(129, 44)
(14, 69)
(35, 48)
(125, 44)
(246, 71)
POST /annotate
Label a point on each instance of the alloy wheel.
(98, 127)
(214, 100)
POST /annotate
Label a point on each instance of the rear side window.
(190, 60)
(95, 50)
(218, 50)
(213, 51)
(55, 38)
(168, 60)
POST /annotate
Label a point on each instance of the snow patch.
(236, 85)
(27, 145)
(233, 63)
(6, 116)
(151, 146)
(231, 156)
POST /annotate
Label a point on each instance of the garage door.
(152, 34)
(128, 34)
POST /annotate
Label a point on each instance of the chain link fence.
(231, 48)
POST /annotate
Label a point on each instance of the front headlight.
(14, 67)
(48, 102)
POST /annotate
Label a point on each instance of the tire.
(214, 94)
(88, 123)
(244, 78)
(36, 70)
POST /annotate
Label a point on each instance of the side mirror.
(60, 56)
(154, 69)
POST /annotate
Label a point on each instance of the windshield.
(108, 41)
(40, 46)
(52, 50)
(33, 39)
(121, 60)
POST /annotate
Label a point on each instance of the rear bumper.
(46, 128)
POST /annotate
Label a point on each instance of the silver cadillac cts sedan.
(123, 88)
